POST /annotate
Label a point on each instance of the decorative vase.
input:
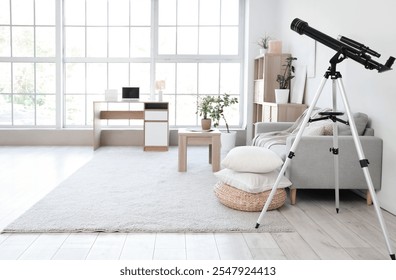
(206, 124)
(263, 51)
(228, 141)
(281, 96)
(275, 46)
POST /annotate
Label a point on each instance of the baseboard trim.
(84, 137)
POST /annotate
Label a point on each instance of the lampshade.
(160, 84)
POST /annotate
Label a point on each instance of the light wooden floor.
(29, 173)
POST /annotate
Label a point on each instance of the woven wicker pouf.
(245, 201)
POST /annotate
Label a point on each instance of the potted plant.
(263, 43)
(205, 109)
(282, 94)
(219, 104)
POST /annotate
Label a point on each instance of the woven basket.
(245, 201)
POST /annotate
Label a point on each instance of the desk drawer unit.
(154, 115)
(156, 127)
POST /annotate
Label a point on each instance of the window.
(193, 45)
(198, 54)
(27, 63)
(107, 46)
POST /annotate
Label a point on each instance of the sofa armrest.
(262, 127)
(313, 164)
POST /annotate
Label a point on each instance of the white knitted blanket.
(268, 139)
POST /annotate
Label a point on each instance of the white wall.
(369, 22)
(260, 18)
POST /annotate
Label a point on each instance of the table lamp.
(160, 85)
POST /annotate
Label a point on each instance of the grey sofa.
(313, 164)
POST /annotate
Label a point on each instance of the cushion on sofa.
(318, 128)
(361, 122)
(325, 127)
(252, 159)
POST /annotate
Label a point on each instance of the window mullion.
(12, 67)
(241, 50)
(34, 65)
(59, 90)
(154, 46)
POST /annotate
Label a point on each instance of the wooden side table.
(189, 137)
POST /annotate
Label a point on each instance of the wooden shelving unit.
(266, 69)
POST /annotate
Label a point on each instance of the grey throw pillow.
(361, 121)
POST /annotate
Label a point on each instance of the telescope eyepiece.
(298, 25)
(390, 62)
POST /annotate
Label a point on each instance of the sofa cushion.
(361, 122)
(252, 159)
(317, 128)
(251, 182)
(325, 127)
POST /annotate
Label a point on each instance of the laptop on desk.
(130, 94)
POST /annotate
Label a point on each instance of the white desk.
(154, 114)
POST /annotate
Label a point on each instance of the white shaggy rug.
(124, 189)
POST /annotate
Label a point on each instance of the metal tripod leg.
(364, 164)
(292, 150)
(335, 150)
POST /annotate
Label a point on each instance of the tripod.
(337, 80)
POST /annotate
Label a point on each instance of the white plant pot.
(282, 96)
(227, 141)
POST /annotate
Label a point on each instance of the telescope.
(345, 46)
